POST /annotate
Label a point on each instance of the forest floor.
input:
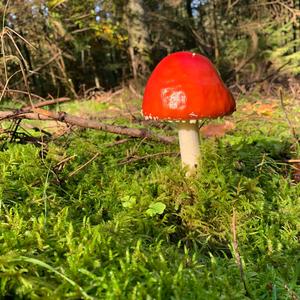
(87, 214)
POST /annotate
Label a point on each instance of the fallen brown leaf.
(260, 108)
(217, 130)
(265, 109)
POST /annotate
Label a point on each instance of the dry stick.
(295, 12)
(292, 160)
(131, 88)
(31, 73)
(42, 114)
(84, 165)
(94, 157)
(43, 65)
(135, 159)
(3, 32)
(64, 161)
(268, 76)
(119, 142)
(6, 83)
(49, 102)
(22, 38)
(20, 63)
(25, 93)
(237, 252)
(292, 128)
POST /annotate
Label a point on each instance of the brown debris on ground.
(217, 130)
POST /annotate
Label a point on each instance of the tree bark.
(138, 37)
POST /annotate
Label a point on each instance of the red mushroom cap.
(186, 86)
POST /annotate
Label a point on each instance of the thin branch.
(23, 39)
(60, 164)
(236, 251)
(268, 76)
(22, 60)
(18, 51)
(231, 5)
(6, 83)
(292, 160)
(49, 102)
(84, 165)
(2, 34)
(25, 93)
(42, 114)
(80, 30)
(293, 11)
(4, 14)
(92, 159)
(32, 72)
(119, 142)
(292, 128)
(145, 157)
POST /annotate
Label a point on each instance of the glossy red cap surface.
(186, 86)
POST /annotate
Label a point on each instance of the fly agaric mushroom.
(185, 87)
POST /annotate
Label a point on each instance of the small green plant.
(156, 208)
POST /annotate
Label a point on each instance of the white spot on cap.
(192, 114)
(194, 54)
(173, 98)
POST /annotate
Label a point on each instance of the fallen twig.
(49, 102)
(119, 142)
(84, 165)
(135, 159)
(61, 164)
(236, 251)
(42, 114)
(24, 93)
(292, 160)
(292, 128)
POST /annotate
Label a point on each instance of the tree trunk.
(188, 7)
(138, 38)
(215, 32)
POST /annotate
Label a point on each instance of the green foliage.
(156, 208)
(142, 230)
(104, 44)
(281, 47)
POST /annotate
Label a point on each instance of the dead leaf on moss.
(266, 109)
(260, 108)
(217, 130)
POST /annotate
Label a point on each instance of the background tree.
(72, 46)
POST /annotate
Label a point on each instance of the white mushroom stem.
(189, 146)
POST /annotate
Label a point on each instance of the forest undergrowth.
(87, 214)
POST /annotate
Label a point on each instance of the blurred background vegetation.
(73, 47)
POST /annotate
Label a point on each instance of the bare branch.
(84, 165)
(49, 102)
(236, 251)
(145, 157)
(292, 128)
(42, 114)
